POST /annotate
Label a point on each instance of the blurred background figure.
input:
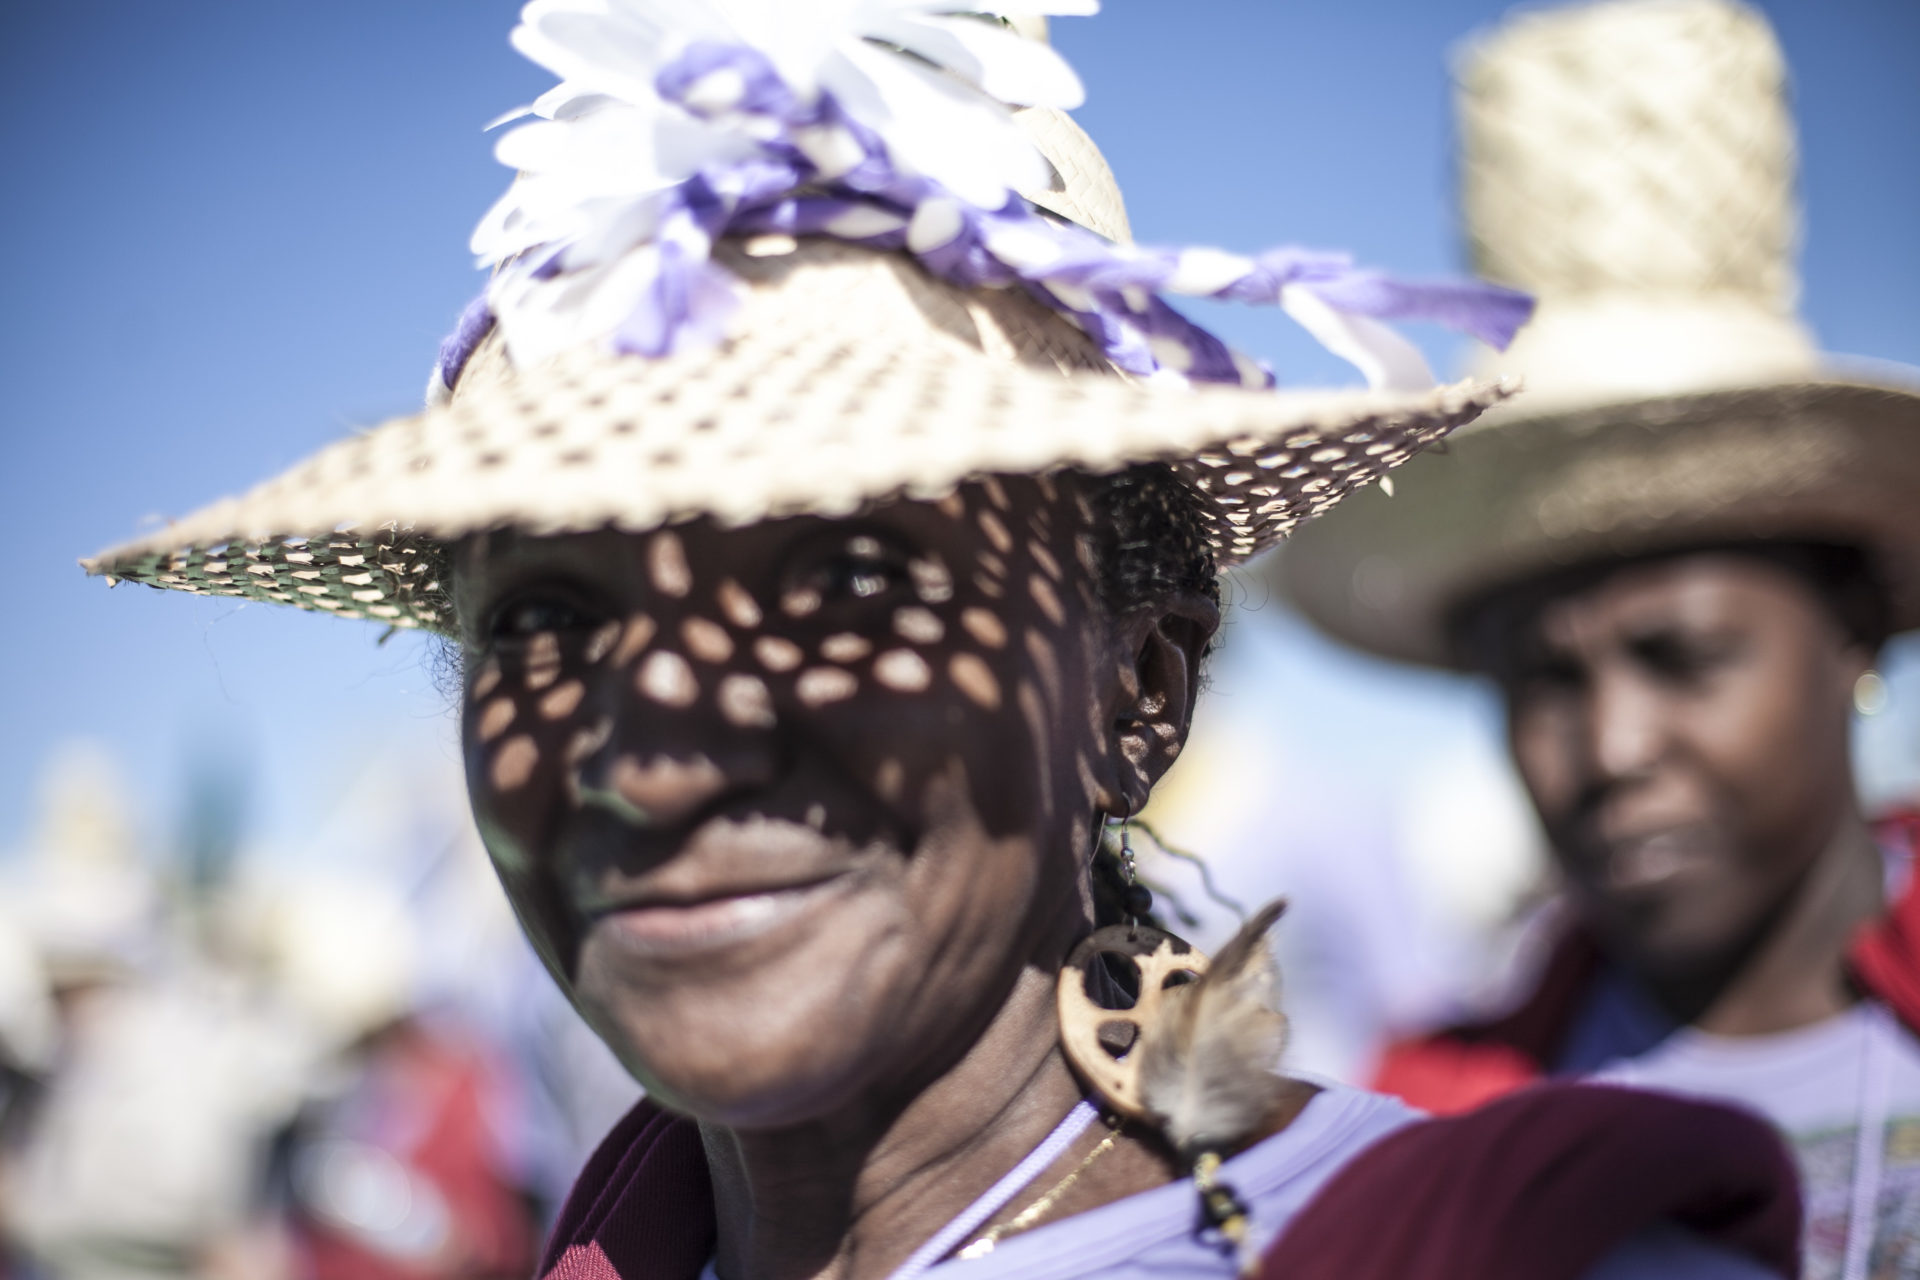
(1679, 558)
(397, 1165)
(221, 1061)
(141, 1148)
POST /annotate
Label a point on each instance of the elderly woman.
(820, 595)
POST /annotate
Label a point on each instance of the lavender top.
(1150, 1236)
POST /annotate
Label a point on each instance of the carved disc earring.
(1111, 990)
(1142, 1014)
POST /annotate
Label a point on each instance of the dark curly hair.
(1157, 537)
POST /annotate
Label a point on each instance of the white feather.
(1210, 1062)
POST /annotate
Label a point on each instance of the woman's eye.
(532, 615)
(1684, 658)
(859, 569)
(1551, 674)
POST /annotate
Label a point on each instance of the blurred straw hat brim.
(850, 377)
(1828, 461)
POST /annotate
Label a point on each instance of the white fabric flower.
(929, 78)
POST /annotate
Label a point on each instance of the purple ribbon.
(822, 174)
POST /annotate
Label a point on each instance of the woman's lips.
(1647, 862)
(662, 930)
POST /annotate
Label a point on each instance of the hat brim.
(1827, 461)
(853, 377)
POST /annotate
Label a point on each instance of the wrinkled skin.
(800, 814)
(1682, 727)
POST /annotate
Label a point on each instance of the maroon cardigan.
(1538, 1186)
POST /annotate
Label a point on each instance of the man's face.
(1682, 726)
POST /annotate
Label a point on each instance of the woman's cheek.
(904, 714)
(1542, 739)
(520, 722)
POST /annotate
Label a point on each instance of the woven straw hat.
(1631, 163)
(848, 376)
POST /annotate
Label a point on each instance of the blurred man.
(1678, 556)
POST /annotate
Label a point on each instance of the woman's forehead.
(988, 518)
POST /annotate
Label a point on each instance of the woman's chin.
(759, 1048)
(746, 1077)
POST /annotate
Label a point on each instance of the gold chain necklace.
(1039, 1209)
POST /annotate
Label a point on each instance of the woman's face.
(786, 808)
(1682, 726)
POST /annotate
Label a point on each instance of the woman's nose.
(659, 790)
(1624, 728)
(682, 730)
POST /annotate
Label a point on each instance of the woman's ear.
(1157, 685)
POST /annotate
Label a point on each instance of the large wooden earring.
(1109, 993)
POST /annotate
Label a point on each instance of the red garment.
(1462, 1067)
(422, 1099)
(1539, 1186)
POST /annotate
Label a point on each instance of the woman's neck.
(1798, 974)
(851, 1196)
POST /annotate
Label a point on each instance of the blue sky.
(236, 230)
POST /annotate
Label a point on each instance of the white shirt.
(1817, 1084)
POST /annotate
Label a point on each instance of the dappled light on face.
(845, 647)
(706, 640)
(820, 635)
(996, 531)
(1048, 599)
(985, 626)
(514, 762)
(1039, 726)
(801, 603)
(486, 679)
(777, 654)
(601, 642)
(919, 625)
(667, 565)
(903, 671)
(589, 739)
(495, 719)
(819, 686)
(562, 701)
(973, 677)
(745, 702)
(667, 679)
(543, 660)
(738, 605)
(931, 580)
(1046, 664)
(1038, 553)
(634, 638)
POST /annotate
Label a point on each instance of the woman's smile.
(730, 882)
(667, 930)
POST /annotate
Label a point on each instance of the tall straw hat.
(727, 284)
(1632, 164)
